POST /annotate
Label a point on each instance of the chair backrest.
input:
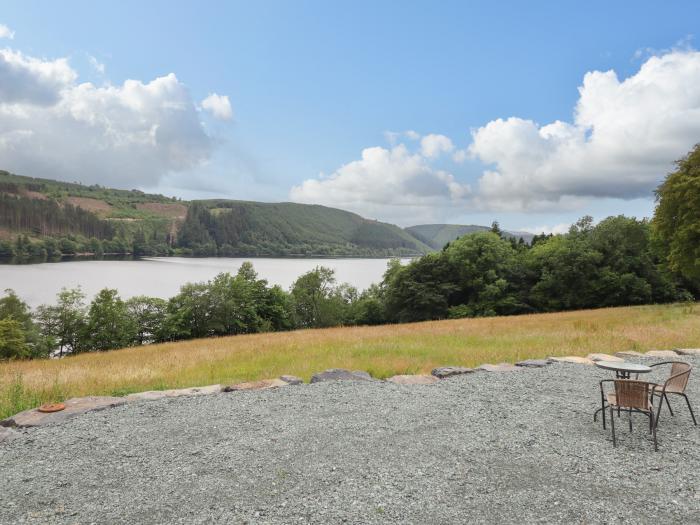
(680, 373)
(632, 394)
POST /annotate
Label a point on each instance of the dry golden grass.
(382, 351)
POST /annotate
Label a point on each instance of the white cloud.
(393, 137)
(96, 65)
(554, 229)
(31, 80)
(6, 32)
(129, 135)
(622, 141)
(391, 184)
(219, 106)
(433, 145)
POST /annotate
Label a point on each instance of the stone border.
(81, 405)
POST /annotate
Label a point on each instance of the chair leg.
(603, 412)
(668, 404)
(690, 408)
(612, 425)
(658, 411)
(656, 444)
(630, 420)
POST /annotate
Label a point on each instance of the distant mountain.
(438, 235)
(131, 221)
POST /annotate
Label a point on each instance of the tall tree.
(677, 216)
(109, 325)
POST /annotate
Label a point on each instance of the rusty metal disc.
(51, 407)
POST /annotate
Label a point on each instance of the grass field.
(382, 351)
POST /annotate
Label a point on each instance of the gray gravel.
(484, 447)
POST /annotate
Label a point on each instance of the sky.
(530, 113)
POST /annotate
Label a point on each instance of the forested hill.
(48, 218)
(438, 235)
(256, 228)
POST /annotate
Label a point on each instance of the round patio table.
(623, 369)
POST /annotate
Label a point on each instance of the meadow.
(382, 351)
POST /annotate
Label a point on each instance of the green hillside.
(438, 235)
(256, 228)
(44, 218)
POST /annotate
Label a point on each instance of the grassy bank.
(382, 351)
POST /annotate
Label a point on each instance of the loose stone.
(449, 371)
(340, 374)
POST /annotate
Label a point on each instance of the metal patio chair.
(675, 384)
(632, 396)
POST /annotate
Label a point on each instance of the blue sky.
(312, 85)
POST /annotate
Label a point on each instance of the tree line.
(617, 262)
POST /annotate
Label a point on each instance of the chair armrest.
(662, 363)
(605, 381)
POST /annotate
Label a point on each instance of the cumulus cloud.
(219, 106)
(622, 140)
(6, 32)
(391, 184)
(433, 145)
(128, 135)
(31, 80)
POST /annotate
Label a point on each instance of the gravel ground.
(515, 447)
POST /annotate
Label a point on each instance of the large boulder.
(153, 395)
(668, 354)
(533, 363)
(444, 372)
(74, 407)
(500, 367)
(629, 353)
(340, 374)
(292, 380)
(605, 357)
(263, 384)
(572, 359)
(413, 380)
(688, 351)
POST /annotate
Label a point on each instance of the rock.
(263, 384)
(153, 395)
(500, 367)
(413, 380)
(7, 434)
(662, 353)
(340, 374)
(604, 357)
(533, 363)
(688, 351)
(629, 353)
(74, 407)
(449, 371)
(572, 359)
(292, 380)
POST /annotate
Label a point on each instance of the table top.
(624, 366)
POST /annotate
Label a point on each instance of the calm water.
(162, 277)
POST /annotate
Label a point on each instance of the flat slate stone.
(153, 395)
(7, 434)
(449, 371)
(340, 374)
(662, 353)
(629, 353)
(533, 363)
(263, 384)
(74, 407)
(604, 357)
(688, 351)
(413, 379)
(292, 380)
(572, 359)
(500, 367)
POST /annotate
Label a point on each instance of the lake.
(162, 276)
